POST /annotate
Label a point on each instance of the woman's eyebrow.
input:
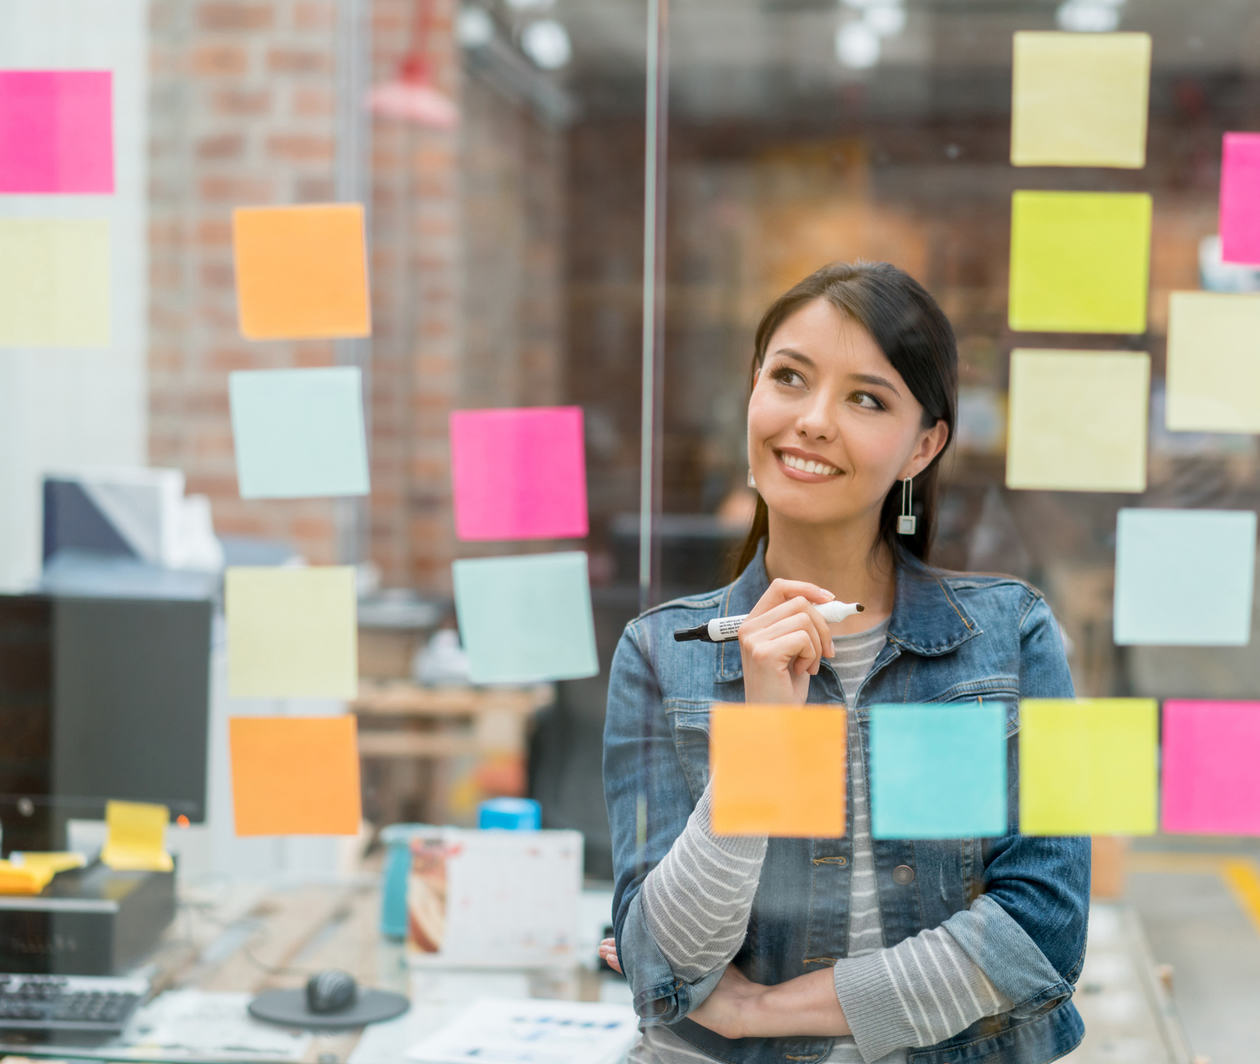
(871, 378)
(792, 353)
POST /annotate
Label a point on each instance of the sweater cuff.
(745, 847)
(872, 1005)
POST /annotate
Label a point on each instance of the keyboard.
(86, 1004)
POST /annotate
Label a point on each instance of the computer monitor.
(100, 698)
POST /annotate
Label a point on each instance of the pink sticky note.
(1211, 750)
(519, 473)
(56, 131)
(1240, 198)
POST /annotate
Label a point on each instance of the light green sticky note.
(1088, 766)
(54, 282)
(1079, 261)
(1080, 99)
(292, 632)
(526, 618)
(1213, 376)
(299, 432)
(1078, 420)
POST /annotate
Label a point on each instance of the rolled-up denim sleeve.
(648, 805)
(1031, 943)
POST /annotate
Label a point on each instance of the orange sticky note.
(301, 272)
(295, 775)
(777, 770)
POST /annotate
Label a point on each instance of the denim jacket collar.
(927, 617)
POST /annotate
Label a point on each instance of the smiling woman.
(753, 949)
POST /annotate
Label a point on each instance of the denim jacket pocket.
(690, 724)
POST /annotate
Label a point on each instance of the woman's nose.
(817, 422)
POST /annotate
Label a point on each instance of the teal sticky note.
(526, 618)
(938, 771)
(299, 432)
(1184, 577)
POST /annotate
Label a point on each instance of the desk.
(226, 943)
(416, 741)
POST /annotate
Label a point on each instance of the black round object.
(332, 990)
(288, 1007)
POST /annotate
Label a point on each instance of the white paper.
(198, 1022)
(506, 1031)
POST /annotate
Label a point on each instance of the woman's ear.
(931, 442)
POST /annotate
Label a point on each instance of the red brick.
(311, 102)
(315, 190)
(301, 148)
(237, 191)
(220, 146)
(214, 232)
(217, 275)
(237, 102)
(230, 15)
(314, 15)
(299, 61)
(230, 359)
(219, 60)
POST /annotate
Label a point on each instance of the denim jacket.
(952, 638)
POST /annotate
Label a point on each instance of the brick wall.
(465, 246)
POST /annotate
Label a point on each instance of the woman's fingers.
(788, 617)
(793, 640)
(781, 591)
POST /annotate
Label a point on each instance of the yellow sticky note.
(1080, 99)
(55, 861)
(1088, 766)
(21, 879)
(1078, 420)
(1080, 261)
(295, 775)
(301, 272)
(54, 282)
(291, 632)
(135, 837)
(1213, 376)
(777, 770)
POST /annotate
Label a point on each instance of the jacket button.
(903, 874)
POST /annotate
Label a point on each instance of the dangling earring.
(906, 521)
(751, 483)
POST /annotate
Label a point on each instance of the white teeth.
(806, 466)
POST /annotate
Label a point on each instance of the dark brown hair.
(916, 338)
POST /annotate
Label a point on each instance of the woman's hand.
(731, 1007)
(608, 954)
(783, 642)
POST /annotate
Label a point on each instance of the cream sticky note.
(1080, 99)
(1088, 766)
(1079, 261)
(526, 618)
(1240, 198)
(1213, 374)
(519, 473)
(1078, 420)
(778, 770)
(301, 272)
(1210, 754)
(56, 131)
(54, 282)
(291, 632)
(295, 775)
(135, 837)
(299, 432)
(1184, 577)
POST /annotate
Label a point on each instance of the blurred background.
(560, 192)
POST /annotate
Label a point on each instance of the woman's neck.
(839, 559)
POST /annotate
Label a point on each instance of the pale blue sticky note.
(938, 771)
(299, 432)
(526, 618)
(1184, 577)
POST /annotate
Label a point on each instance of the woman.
(746, 949)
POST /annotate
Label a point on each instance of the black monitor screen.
(103, 698)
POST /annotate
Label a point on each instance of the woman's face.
(831, 424)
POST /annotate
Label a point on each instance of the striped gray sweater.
(698, 899)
